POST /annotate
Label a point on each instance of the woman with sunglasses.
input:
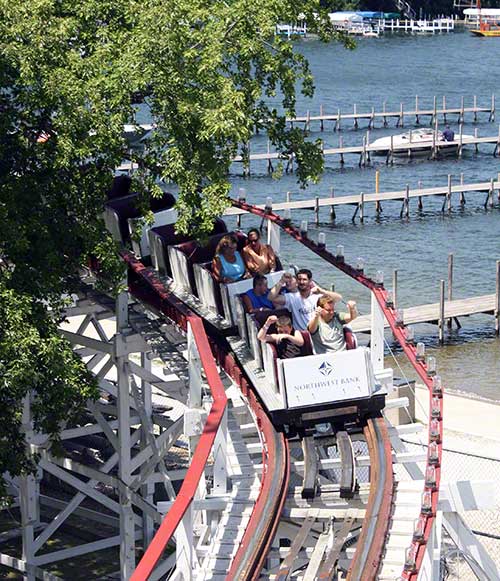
(259, 258)
(228, 265)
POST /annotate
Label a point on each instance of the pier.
(438, 313)
(443, 312)
(414, 111)
(361, 199)
(367, 149)
(417, 26)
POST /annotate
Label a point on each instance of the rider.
(303, 303)
(327, 326)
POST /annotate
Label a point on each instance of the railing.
(263, 522)
(202, 451)
(416, 551)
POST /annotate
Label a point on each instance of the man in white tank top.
(301, 304)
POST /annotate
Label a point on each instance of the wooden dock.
(439, 109)
(487, 304)
(367, 149)
(445, 311)
(359, 200)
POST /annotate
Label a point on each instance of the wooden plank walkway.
(414, 111)
(485, 304)
(362, 198)
(387, 114)
(366, 149)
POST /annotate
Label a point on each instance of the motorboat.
(421, 140)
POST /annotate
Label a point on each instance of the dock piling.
(405, 207)
(361, 207)
(434, 141)
(400, 121)
(321, 124)
(475, 108)
(420, 202)
(444, 109)
(462, 111)
(462, 193)
(332, 207)
(390, 154)
(441, 312)
(384, 111)
(417, 118)
(497, 146)
(316, 210)
(355, 118)
(447, 200)
(362, 156)
(378, 204)
(492, 111)
(450, 283)
(337, 125)
(460, 139)
(270, 167)
(434, 111)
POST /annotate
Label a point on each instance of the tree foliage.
(209, 72)
(213, 72)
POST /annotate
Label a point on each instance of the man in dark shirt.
(256, 299)
(288, 341)
(448, 134)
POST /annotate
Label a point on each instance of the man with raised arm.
(327, 327)
(301, 304)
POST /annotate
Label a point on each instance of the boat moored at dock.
(421, 141)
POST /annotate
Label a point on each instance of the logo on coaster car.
(325, 368)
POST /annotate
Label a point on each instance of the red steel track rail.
(416, 551)
(260, 530)
(371, 543)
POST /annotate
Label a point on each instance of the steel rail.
(256, 541)
(371, 543)
(417, 548)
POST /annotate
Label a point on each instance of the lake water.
(395, 69)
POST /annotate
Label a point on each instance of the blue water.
(395, 69)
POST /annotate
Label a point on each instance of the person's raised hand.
(271, 319)
(351, 304)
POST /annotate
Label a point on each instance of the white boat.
(422, 141)
(136, 133)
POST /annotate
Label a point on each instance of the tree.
(69, 72)
(210, 71)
